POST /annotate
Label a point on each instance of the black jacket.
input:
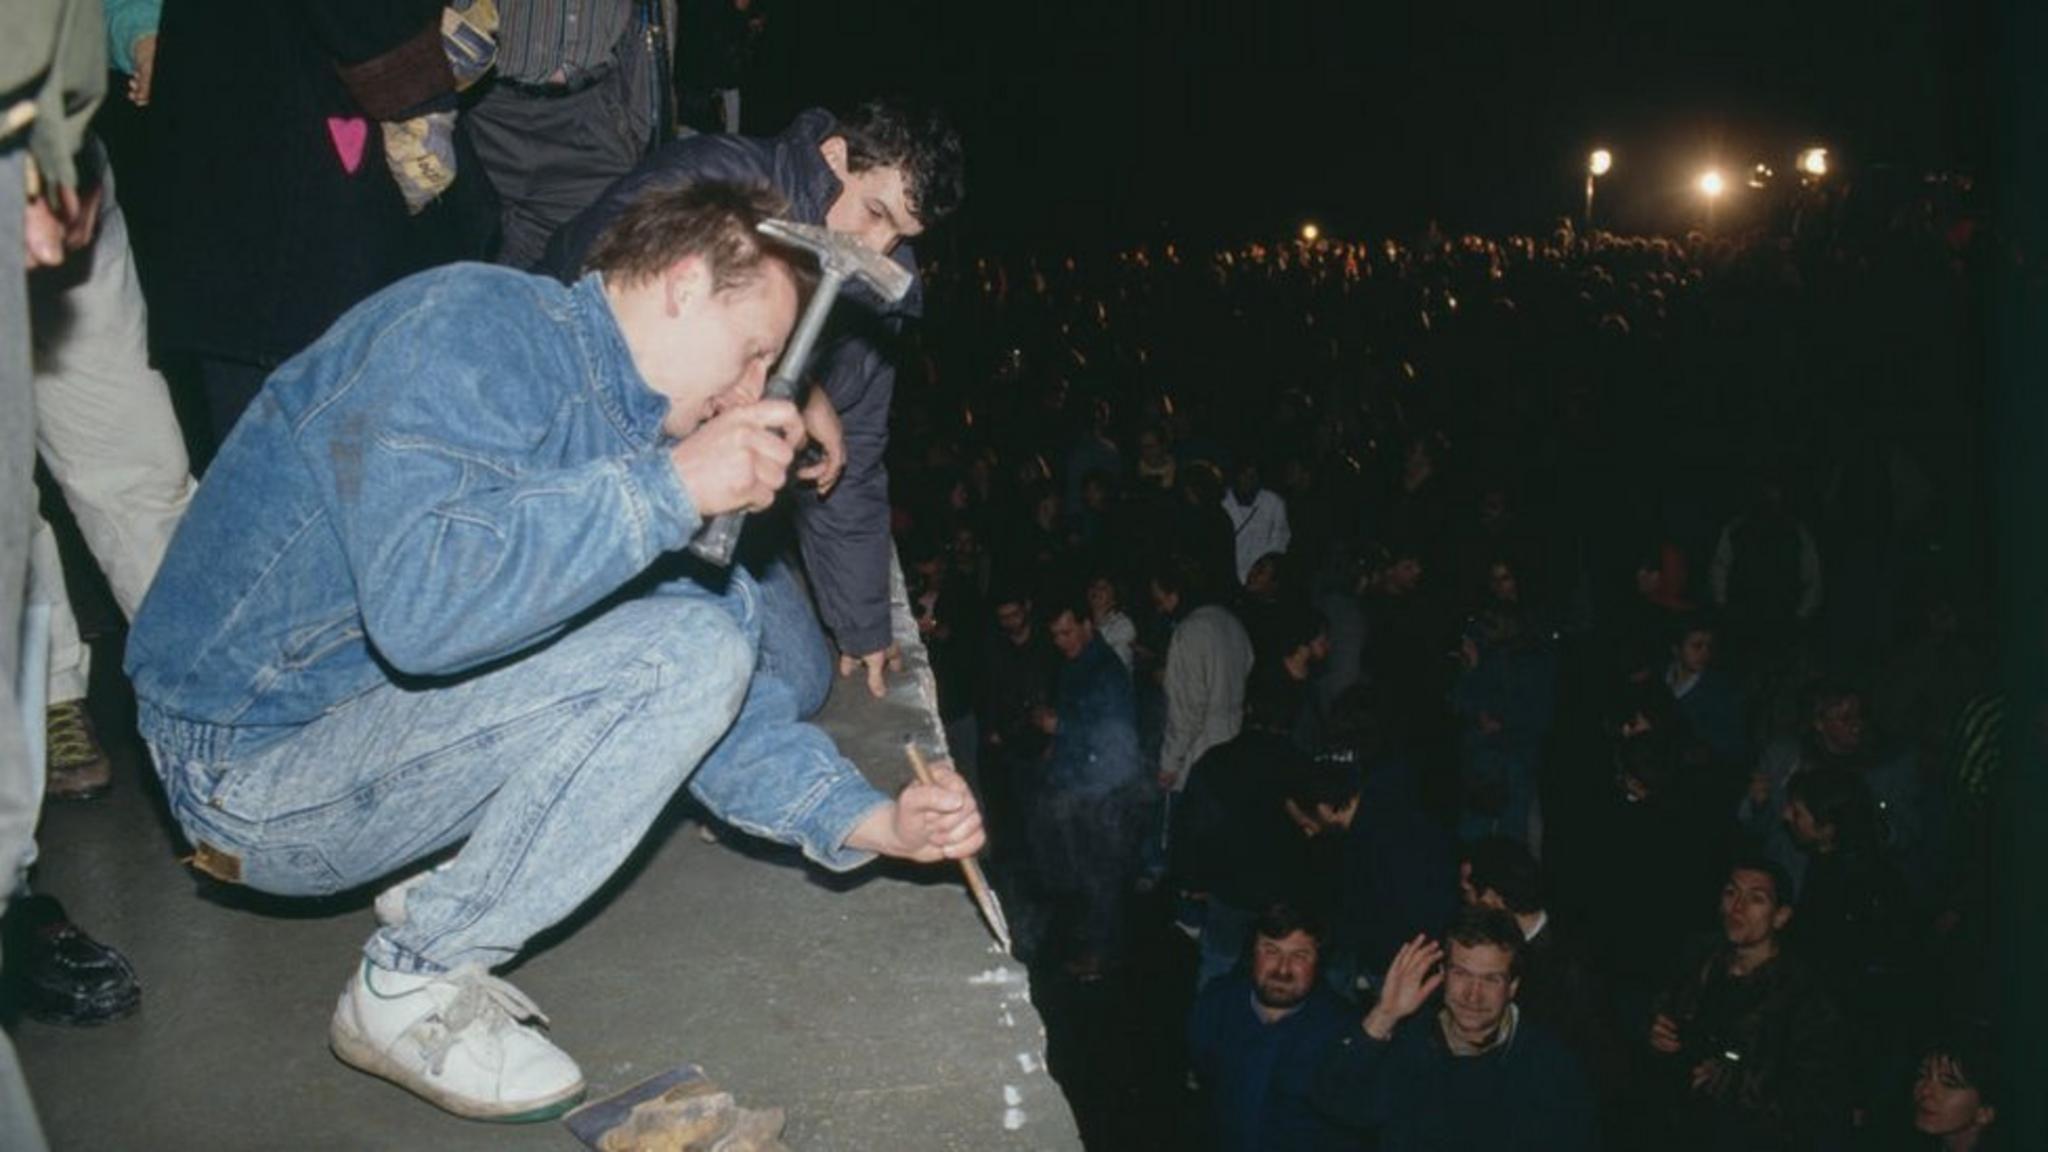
(1528, 1095)
(845, 537)
(1779, 1036)
(275, 212)
(1232, 837)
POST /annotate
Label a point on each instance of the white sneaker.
(457, 1040)
(390, 904)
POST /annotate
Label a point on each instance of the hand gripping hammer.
(840, 258)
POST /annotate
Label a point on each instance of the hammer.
(840, 258)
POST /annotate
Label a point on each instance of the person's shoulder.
(498, 289)
(1783, 750)
(1537, 1041)
(1216, 618)
(472, 306)
(809, 127)
(1215, 1003)
(1542, 1050)
(706, 155)
(1328, 1013)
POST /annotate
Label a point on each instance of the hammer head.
(839, 254)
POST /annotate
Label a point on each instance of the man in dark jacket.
(1558, 988)
(1084, 812)
(1746, 1046)
(1234, 841)
(1471, 1075)
(1256, 1038)
(1395, 871)
(264, 130)
(1018, 669)
(885, 174)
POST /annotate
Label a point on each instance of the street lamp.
(1814, 162)
(1309, 232)
(1712, 185)
(1596, 166)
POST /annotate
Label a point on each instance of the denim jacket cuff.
(829, 815)
(671, 513)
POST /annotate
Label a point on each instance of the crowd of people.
(1470, 692)
(1579, 622)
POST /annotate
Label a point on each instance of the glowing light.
(1814, 161)
(1711, 184)
(1310, 232)
(1600, 162)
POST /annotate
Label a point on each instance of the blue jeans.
(1519, 816)
(552, 766)
(793, 647)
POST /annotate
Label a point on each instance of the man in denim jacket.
(429, 594)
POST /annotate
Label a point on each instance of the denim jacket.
(458, 470)
(455, 470)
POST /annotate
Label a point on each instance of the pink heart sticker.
(349, 136)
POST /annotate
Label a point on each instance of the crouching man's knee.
(702, 654)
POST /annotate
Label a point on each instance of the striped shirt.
(560, 42)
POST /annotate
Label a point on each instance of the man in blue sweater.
(1472, 1075)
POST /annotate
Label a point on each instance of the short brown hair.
(1481, 927)
(716, 221)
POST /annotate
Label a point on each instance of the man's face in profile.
(873, 203)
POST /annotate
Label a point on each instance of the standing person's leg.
(104, 424)
(553, 767)
(77, 766)
(21, 777)
(551, 155)
(1111, 825)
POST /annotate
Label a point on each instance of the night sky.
(1136, 119)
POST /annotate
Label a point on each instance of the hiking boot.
(66, 976)
(78, 766)
(458, 1040)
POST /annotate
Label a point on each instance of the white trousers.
(105, 430)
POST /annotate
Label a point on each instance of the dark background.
(1200, 118)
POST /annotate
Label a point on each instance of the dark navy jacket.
(1096, 750)
(1528, 1096)
(845, 538)
(1257, 1077)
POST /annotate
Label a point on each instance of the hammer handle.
(716, 542)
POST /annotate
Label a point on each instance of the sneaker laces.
(481, 999)
(68, 734)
